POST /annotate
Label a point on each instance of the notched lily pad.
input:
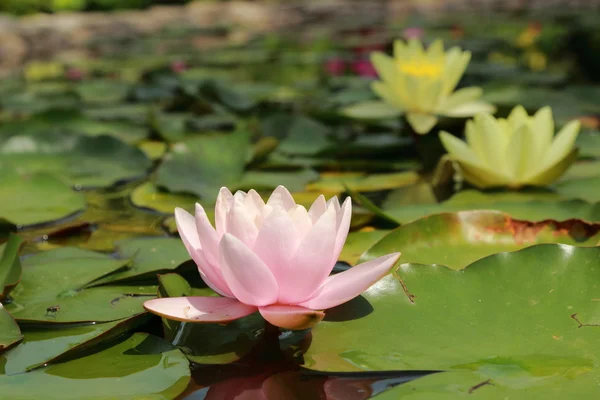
(428, 317)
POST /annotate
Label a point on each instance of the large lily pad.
(149, 196)
(143, 366)
(37, 198)
(48, 346)
(10, 334)
(79, 160)
(524, 320)
(359, 242)
(53, 289)
(10, 265)
(458, 239)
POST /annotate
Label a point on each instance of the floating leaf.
(37, 198)
(48, 346)
(149, 196)
(458, 239)
(149, 257)
(79, 160)
(52, 289)
(10, 265)
(359, 242)
(202, 164)
(427, 317)
(147, 367)
(10, 334)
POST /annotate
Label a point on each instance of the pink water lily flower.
(274, 258)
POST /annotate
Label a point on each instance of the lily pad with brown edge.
(10, 265)
(10, 334)
(142, 366)
(53, 289)
(21, 198)
(43, 346)
(149, 257)
(430, 317)
(526, 206)
(458, 239)
(221, 344)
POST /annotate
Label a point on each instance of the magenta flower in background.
(364, 68)
(272, 257)
(74, 74)
(178, 66)
(335, 66)
(413, 33)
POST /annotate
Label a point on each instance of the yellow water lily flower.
(517, 151)
(421, 83)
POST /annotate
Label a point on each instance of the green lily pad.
(359, 242)
(265, 180)
(79, 160)
(149, 256)
(10, 265)
(427, 317)
(10, 334)
(149, 196)
(74, 122)
(221, 344)
(337, 182)
(587, 189)
(103, 91)
(143, 366)
(49, 346)
(589, 144)
(472, 385)
(53, 289)
(202, 164)
(456, 240)
(21, 198)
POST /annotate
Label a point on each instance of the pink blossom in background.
(178, 66)
(364, 68)
(74, 74)
(413, 33)
(273, 257)
(335, 66)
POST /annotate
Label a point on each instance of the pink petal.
(281, 197)
(248, 277)
(343, 226)
(336, 203)
(224, 202)
(318, 208)
(277, 242)
(199, 309)
(312, 262)
(186, 225)
(345, 286)
(301, 220)
(239, 223)
(254, 201)
(207, 235)
(291, 317)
